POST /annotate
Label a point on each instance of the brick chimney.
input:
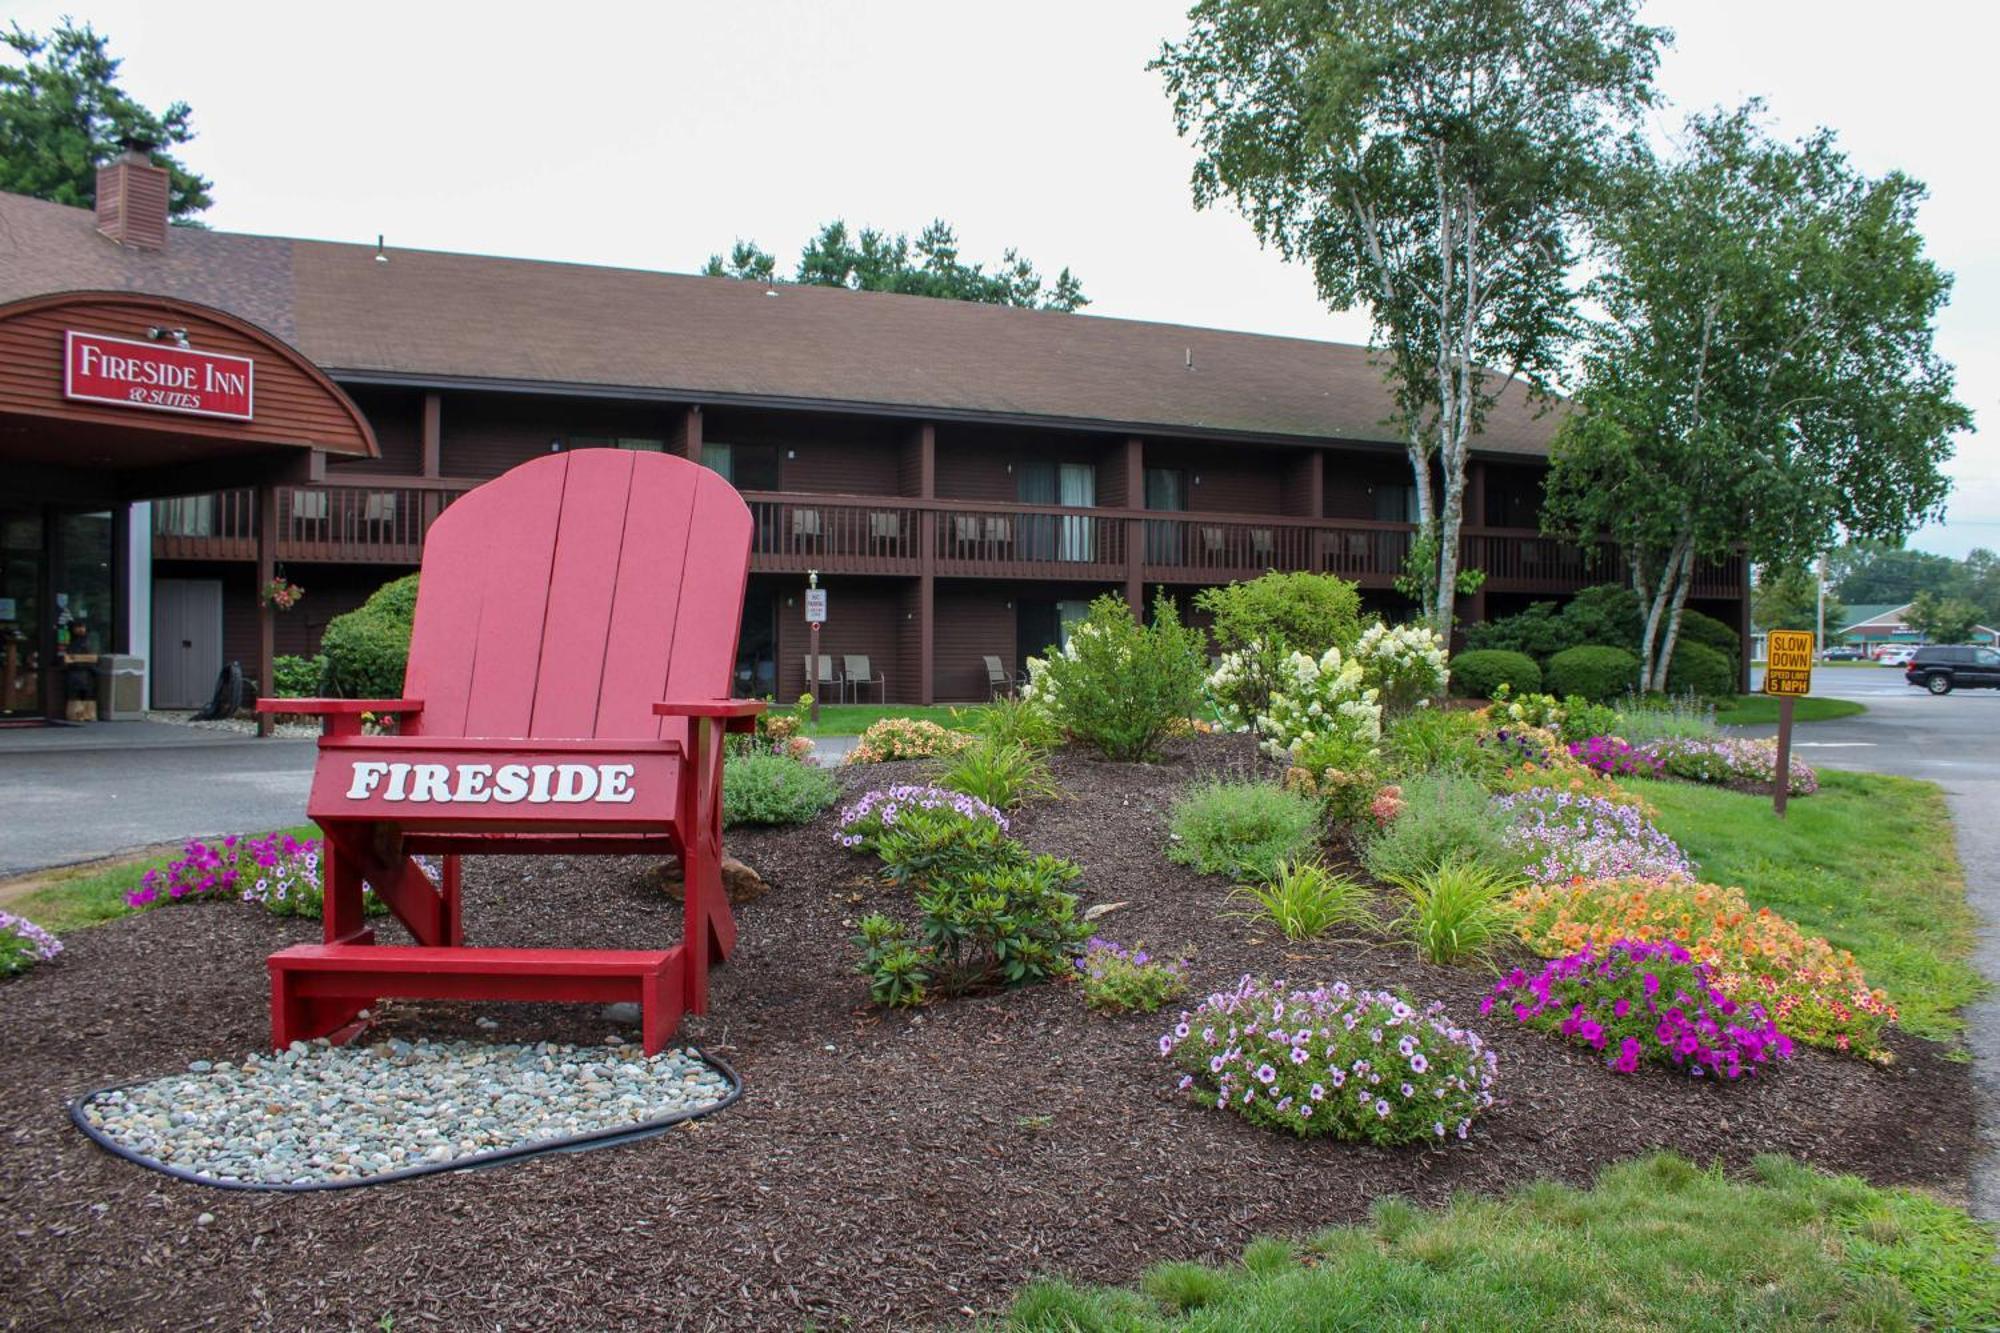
(132, 198)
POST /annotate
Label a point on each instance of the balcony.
(385, 522)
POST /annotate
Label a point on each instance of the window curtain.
(1078, 485)
(1035, 484)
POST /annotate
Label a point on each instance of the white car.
(1897, 654)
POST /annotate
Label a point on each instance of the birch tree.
(1428, 161)
(1764, 379)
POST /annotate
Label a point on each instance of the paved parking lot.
(1953, 741)
(71, 794)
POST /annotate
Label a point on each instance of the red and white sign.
(160, 377)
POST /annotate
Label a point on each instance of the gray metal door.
(187, 641)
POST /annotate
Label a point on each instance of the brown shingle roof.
(426, 314)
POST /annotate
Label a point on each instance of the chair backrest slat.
(563, 599)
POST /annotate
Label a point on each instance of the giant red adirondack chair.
(567, 691)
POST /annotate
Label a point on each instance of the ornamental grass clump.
(23, 944)
(1815, 993)
(1564, 835)
(1356, 1064)
(1729, 761)
(1000, 773)
(1616, 758)
(1458, 911)
(906, 738)
(1304, 898)
(1116, 980)
(1440, 816)
(1636, 1001)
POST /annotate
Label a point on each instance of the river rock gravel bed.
(318, 1113)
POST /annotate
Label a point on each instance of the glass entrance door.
(21, 619)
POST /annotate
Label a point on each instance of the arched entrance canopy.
(114, 396)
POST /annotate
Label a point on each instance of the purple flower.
(1266, 1075)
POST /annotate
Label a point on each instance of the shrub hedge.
(368, 648)
(1593, 671)
(1476, 674)
(1701, 669)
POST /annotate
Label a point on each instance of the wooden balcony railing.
(385, 522)
(372, 523)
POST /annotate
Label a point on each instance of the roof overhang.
(59, 446)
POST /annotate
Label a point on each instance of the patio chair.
(817, 684)
(998, 682)
(860, 677)
(574, 636)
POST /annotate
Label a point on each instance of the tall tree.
(1764, 377)
(62, 113)
(1788, 597)
(1429, 161)
(874, 261)
(1941, 619)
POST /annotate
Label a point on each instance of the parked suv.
(1943, 668)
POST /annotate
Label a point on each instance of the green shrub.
(1007, 924)
(1583, 719)
(1699, 627)
(772, 789)
(1457, 911)
(1475, 675)
(1594, 671)
(926, 846)
(368, 648)
(297, 677)
(1127, 981)
(1000, 773)
(1303, 899)
(1700, 669)
(1242, 829)
(1119, 685)
(1538, 632)
(1445, 816)
(1609, 614)
(1263, 620)
(1016, 722)
(1430, 739)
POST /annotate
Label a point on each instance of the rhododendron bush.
(1355, 1064)
(1634, 1001)
(1815, 993)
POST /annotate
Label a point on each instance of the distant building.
(1869, 626)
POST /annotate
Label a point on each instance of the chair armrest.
(737, 714)
(339, 707)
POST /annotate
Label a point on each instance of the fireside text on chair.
(575, 629)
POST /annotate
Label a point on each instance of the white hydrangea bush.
(1406, 665)
(1321, 704)
(1238, 677)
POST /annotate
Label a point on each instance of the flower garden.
(1170, 954)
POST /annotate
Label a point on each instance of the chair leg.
(659, 1011)
(454, 923)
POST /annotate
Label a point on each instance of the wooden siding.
(863, 616)
(485, 434)
(973, 620)
(1234, 480)
(293, 403)
(397, 415)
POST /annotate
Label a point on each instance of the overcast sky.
(652, 135)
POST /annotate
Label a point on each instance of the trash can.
(121, 687)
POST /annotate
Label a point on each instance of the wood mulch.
(882, 1171)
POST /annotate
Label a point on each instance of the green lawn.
(71, 899)
(1657, 1243)
(853, 719)
(1749, 709)
(1867, 861)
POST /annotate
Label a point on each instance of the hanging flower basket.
(281, 593)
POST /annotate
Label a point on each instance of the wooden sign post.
(1788, 663)
(815, 617)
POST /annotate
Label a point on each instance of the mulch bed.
(882, 1171)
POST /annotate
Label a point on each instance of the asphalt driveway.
(76, 794)
(1953, 741)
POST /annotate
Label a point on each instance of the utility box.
(121, 687)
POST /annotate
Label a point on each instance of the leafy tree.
(874, 261)
(1765, 375)
(1942, 619)
(1429, 161)
(62, 113)
(1787, 597)
(1872, 572)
